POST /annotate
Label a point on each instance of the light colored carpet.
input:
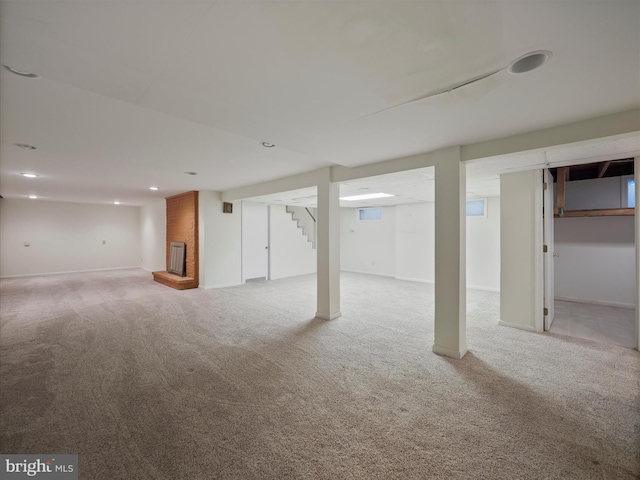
(146, 382)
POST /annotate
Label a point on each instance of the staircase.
(305, 218)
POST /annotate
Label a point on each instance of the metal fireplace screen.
(177, 254)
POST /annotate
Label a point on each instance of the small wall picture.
(227, 207)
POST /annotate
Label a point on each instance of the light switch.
(104, 242)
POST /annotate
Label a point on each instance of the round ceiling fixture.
(30, 175)
(116, 203)
(25, 146)
(33, 196)
(18, 72)
(153, 188)
(191, 173)
(268, 145)
(529, 62)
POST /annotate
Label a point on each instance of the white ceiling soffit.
(623, 146)
(135, 93)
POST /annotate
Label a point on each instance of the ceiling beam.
(584, 131)
(603, 212)
(602, 168)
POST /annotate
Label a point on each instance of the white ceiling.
(135, 93)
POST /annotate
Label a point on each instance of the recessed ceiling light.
(529, 62)
(33, 196)
(30, 175)
(116, 203)
(18, 72)
(367, 196)
(153, 188)
(268, 145)
(25, 146)
(191, 173)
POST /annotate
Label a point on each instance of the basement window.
(374, 213)
(628, 192)
(477, 208)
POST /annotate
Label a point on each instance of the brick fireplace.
(182, 226)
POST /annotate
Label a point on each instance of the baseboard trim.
(448, 352)
(604, 303)
(68, 271)
(484, 289)
(213, 287)
(333, 316)
(151, 270)
(516, 325)
(417, 280)
(432, 282)
(388, 275)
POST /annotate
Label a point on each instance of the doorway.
(592, 279)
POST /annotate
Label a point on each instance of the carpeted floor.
(146, 382)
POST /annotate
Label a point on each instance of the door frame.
(548, 249)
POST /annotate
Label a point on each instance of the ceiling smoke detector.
(529, 62)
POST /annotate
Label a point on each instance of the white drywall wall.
(153, 235)
(415, 248)
(368, 246)
(593, 193)
(290, 251)
(521, 250)
(483, 248)
(596, 262)
(414, 244)
(66, 237)
(220, 242)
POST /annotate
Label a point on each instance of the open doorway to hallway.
(595, 252)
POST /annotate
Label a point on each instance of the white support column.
(637, 178)
(328, 247)
(450, 261)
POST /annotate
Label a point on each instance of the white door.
(255, 242)
(548, 255)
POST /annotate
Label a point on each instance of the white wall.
(291, 253)
(153, 235)
(411, 230)
(521, 280)
(368, 246)
(66, 237)
(220, 242)
(593, 193)
(415, 247)
(483, 248)
(596, 262)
